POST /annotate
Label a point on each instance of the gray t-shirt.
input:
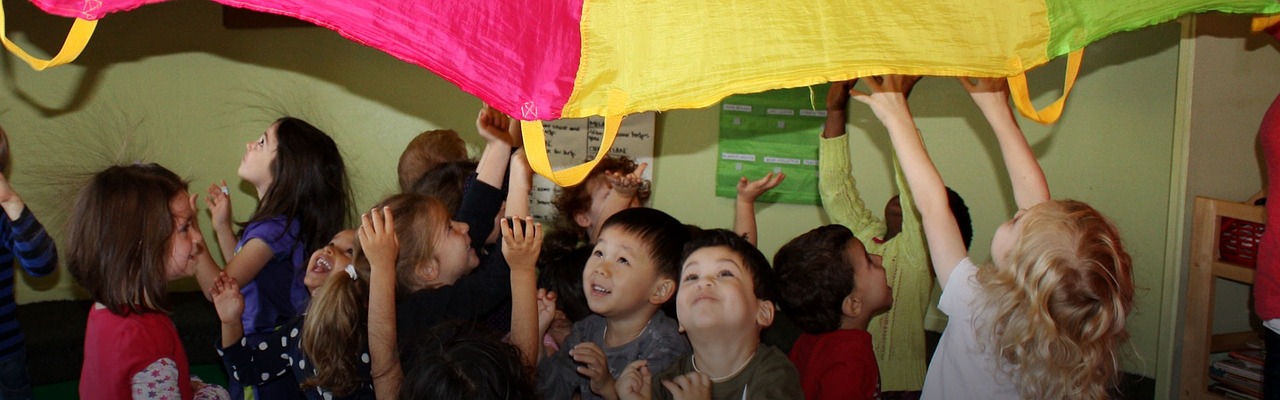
(768, 376)
(661, 343)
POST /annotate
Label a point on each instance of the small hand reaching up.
(219, 202)
(521, 242)
(227, 299)
(378, 239)
(494, 126)
(627, 185)
(990, 94)
(751, 190)
(635, 382)
(887, 99)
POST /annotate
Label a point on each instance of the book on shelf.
(1230, 393)
(1240, 368)
(1235, 382)
(1254, 356)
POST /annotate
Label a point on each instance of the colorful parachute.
(549, 59)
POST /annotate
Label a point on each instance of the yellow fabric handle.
(79, 36)
(535, 145)
(1262, 22)
(1051, 113)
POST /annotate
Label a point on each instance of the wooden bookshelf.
(1207, 266)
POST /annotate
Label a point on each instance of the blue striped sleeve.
(32, 245)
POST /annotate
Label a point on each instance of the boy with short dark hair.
(832, 287)
(725, 299)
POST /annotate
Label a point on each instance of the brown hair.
(1058, 302)
(334, 334)
(426, 151)
(565, 233)
(419, 219)
(119, 237)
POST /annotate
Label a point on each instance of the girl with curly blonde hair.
(1045, 318)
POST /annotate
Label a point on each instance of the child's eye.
(623, 261)
(725, 273)
(597, 253)
(350, 252)
(690, 277)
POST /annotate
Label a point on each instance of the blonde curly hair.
(1057, 303)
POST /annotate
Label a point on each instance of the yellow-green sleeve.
(839, 191)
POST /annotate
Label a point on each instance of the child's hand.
(635, 382)
(630, 184)
(690, 386)
(887, 98)
(990, 94)
(493, 125)
(749, 191)
(227, 299)
(219, 202)
(595, 367)
(838, 95)
(546, 310)
(378, 239)
(521, 242)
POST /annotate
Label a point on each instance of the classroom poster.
(773, 131)
(575, 141)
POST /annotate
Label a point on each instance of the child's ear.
(764, 316)
(663, 291)
(582, 219)
(427, 273)
(851, 307)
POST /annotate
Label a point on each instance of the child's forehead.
(715, 257)
(621, 237)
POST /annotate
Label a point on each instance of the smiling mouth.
(322, 266)
(600, 290)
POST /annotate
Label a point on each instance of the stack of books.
(1238, 376)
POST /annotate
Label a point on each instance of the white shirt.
(960, 368)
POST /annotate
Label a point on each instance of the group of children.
(445, 290)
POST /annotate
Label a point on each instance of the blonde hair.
(334, 332)
(1057, 304)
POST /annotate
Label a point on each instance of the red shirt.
(837, 365)
(116, 348)
(1266, 289)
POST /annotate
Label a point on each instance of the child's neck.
(859, 322)
(621, 330)
(723, 357)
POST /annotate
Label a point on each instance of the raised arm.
(219, 202)
(946, 248)
(521, 183)
(744, 217)
(521, 243)
(992, 97)
(30, 243)
(494, 127)
(379, 243)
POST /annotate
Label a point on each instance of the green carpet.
(210, 373)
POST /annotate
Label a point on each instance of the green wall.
(167, 83)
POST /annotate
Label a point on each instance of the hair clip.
(351, 270)
(226, 191)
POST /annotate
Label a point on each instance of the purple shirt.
(276, 294)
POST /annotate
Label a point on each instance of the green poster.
(773, 131)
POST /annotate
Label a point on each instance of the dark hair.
(335, 330)
(961, 212)
(564, 277)
(445, 182)
(119, 237)
(309, 184)
(763, 280)
(458, 361)
(814, 277)
(664, 235)
(427, 151)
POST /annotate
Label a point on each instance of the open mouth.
(600, 290)
(323, 266)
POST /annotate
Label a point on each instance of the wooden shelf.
(1206, 268)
